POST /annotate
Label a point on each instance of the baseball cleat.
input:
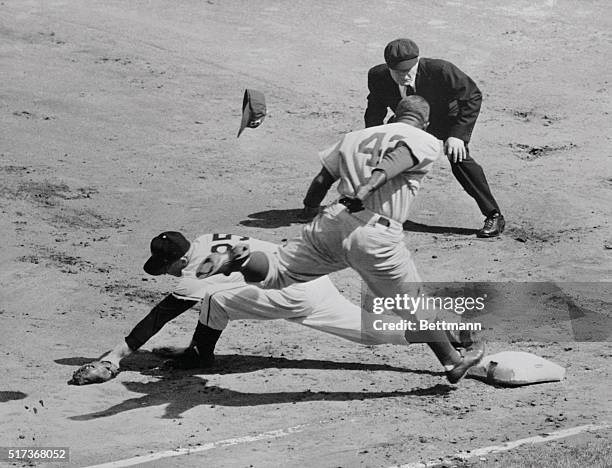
(493, 226)
(224, 263)
(191, 359)
(472, 356)
(460, 340)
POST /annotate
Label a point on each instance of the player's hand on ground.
(454, 148)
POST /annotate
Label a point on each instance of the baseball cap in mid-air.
(166, 248)
(253, 109)
(401, 54)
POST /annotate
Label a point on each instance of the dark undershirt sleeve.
(319, 187)
(169, 308)
(397, 161)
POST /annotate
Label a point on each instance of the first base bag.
(513, 368)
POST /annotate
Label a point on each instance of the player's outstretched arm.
(168, 309)
(319, 187)
(107, 367)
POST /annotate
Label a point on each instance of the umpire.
(454, 100)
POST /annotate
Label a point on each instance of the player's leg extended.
(390, 271)
(246, 302)
(316, 304)
(329, 311)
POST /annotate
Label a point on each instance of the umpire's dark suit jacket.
(452, 95)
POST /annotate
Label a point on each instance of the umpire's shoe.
(493, 226)
(470, 358)
(224, 263)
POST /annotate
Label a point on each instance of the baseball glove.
(94, 372)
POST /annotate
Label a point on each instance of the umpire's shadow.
(274, 218)
(182, 390)
(278, 218)
(411, 226)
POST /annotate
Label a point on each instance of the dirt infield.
(118, 120)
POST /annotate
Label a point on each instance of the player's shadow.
(141, 360)
(274, 218)
(411, 226)
(182, 391)
(240, 363)
(7, 395)
(149, 363)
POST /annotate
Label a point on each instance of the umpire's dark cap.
(401, 54)
(253, 109)
(166, 248)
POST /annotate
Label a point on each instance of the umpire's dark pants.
(473, 180)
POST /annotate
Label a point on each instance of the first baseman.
(455, 103)
(379, 170)
(318, 305)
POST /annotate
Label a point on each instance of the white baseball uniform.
(317, 304)
(369, 241)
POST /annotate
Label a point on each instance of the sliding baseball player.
(221, 299)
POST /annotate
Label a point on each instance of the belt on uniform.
(356, 208)
(384, 221)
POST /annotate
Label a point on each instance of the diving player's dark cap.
(166, 248)
(253, 109)
(401, 54)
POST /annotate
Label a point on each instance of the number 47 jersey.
(353, 158)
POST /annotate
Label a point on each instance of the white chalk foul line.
(507, 446)
(201, 448)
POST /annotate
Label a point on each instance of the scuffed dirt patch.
(44, 193)
(13, 169)
(54, 198)
(533, 115)
(65, 262)
(84, 218)
(531, 153)
(533, 235)
(133, 293)
(32, 115)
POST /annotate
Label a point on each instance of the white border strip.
(201, 448)
(507, 446)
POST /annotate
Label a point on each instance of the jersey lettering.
(222, 247)
(366, 147)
